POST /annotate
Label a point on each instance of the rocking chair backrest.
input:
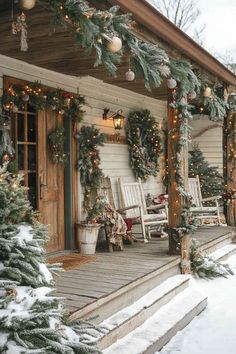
(105, 191)
(195, 191)
(132, 194)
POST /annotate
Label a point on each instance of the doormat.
(72, 260)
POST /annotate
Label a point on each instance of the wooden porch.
(117, 279)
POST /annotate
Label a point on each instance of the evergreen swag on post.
(144, 140)
(89, 138)
(211, 181)
(32, 319)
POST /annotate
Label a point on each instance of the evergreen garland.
(56, 141)
(39, 98)
(211, 181)
(215, 107)
(181, 71)
(205, 266)
(89, 138)
(144, 140)
(32, 318)
(94, 29)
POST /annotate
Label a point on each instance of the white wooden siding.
(114, 157)
(210, 141)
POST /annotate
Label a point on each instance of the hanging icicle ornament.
(171, 83)
(6, 148)
(27, 4)
(207, 92)
(114, 44)
(192, 95)
(20, 26)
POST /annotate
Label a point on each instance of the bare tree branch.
(183, 13)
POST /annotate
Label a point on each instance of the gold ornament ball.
(115, 44)
(27, 4)
(207, 92)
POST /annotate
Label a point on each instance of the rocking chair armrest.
(122, 210)
(157, 206)
(217, 197)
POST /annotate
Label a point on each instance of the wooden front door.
(50, 183)
(44, 179)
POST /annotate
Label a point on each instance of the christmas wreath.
(144, 140)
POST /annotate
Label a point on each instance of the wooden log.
(231, 167)
(177, 244)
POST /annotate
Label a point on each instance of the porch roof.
(57, 52)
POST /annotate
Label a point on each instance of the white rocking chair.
(198, 210)
(132, 195)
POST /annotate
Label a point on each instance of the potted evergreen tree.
(89, 138)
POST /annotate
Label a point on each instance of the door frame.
(70, 173)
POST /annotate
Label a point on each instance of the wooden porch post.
(176, 200)
(230, 166)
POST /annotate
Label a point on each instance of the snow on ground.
(214, 330)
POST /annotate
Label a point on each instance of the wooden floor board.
(112, 271)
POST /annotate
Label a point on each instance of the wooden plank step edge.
(224, 252)
(217, 243)
(163, 325)
(136, 314)
(87, 311)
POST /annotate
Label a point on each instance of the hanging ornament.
(171, 83)
(6, 148)
(115, 44)
(14, 108)
(207, 92)
(27, 4)
(20, 26)
(25, 97)
(164, 70)
(192, 95)
(130, 75)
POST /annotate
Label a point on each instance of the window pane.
(20, 156)
(20, 127)
(32, 189)
(31, 128)
(32, 157)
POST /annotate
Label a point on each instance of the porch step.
(157, 330)
(224, 252)
(136, 314)
(219, 242)
(106, 306)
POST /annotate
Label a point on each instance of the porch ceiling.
(57, 51)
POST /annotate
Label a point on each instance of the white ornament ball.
(207, 92)
(27, 4)
(171, 83)
(192, 95)
(130, 75)
(25, 97)
(115, 44)
(14, 109)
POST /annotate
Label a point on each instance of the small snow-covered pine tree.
(212, 182)
(32, 318)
